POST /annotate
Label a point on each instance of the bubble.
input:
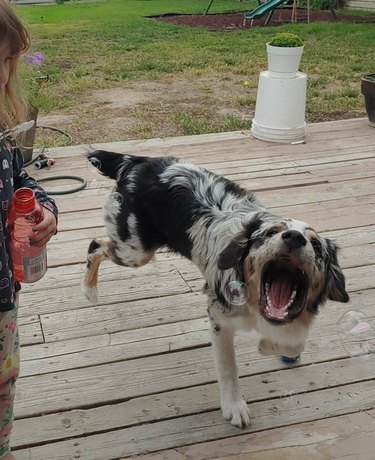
(94, 184)
(356, 333)
(236, 293)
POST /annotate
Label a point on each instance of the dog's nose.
(294, 239)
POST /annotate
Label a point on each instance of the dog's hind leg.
(124, 254)
(98, 251)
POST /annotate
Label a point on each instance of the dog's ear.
(107, 163)
(239, 247)
(232, 254)
(336, 280)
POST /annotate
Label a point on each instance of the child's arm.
(43, 231)
(22, 179)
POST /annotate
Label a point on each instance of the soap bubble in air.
(94, 184)
(236, 293)
(356, 333)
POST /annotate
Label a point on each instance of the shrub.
(286, 39)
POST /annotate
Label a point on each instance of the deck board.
(134, 376)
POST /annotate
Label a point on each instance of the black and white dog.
(287, 268)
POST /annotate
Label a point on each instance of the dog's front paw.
(237, 412)
(268, 348)
(91, 293)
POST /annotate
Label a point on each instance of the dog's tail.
(112, 164)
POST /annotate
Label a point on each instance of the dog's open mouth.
(284, 290)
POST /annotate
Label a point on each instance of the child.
(14, 40)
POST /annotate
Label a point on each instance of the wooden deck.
(133, 375)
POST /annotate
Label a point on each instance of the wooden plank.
(358, 150)
(206, 426)
(86, 234)
(359, 124)
(165, 338)
(356, 127)
(325, 217)
(301, 163)
(347, 436)
(288, 383)
(246, 165)
(78, 387)
(30, 330)
(354, 237)
(115, 347)
(91, 218)
(58, 255)
(333, 214)
(320, 193)
(235, 170)
(105, 316)
(87, 199)
(342, 236)
(339, 165)
(94, 198)
(357, 278)
(123, 316)
(146, 363)
(245, 150)
(72, 298)
(249, 147)
(288, 159)
(337, 172)
(328, 217)
(72, 275)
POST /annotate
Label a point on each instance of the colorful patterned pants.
(9, 369)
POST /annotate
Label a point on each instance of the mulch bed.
(235, 21)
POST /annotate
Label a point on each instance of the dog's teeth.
(291, 300)
(269, 301)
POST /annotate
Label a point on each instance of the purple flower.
(37, 58)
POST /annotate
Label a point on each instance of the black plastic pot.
(368, 90)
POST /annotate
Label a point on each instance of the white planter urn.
(283, 62)
(281, 98)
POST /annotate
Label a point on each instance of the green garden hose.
(83, 182)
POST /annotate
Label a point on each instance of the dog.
(288, 270)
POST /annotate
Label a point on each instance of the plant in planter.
(281, 97)
(284, 53)
(368, 90)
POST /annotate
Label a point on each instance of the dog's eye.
(271, 232)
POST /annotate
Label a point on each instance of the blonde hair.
(13, 107)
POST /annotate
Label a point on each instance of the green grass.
(111, 43)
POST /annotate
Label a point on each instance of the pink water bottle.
(29, 262)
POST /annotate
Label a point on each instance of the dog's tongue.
(281, 291)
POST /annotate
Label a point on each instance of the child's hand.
(45, 230)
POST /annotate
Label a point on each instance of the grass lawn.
(176, 80)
